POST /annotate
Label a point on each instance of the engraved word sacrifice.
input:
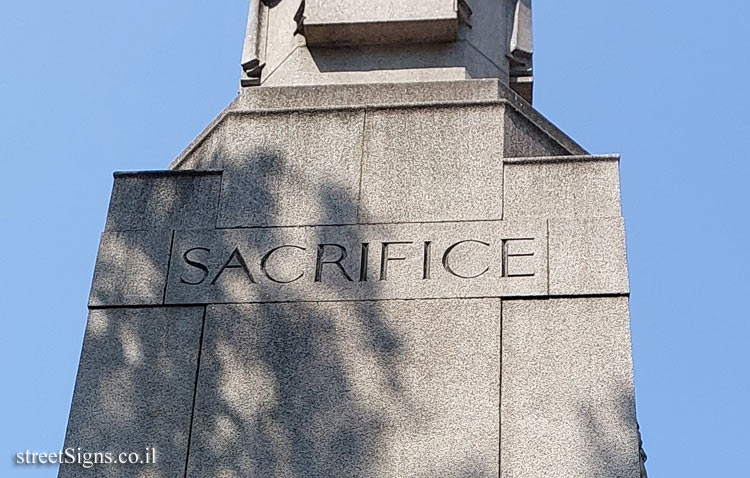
(319, 263)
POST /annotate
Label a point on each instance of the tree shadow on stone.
(135, 381)
(276, 396)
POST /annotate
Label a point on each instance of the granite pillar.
(390, 277)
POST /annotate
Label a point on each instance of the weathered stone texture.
(464, 260)
(362, 22)
(289, 169)
(587, 257)
(131, 268)
(388, 389)
(525, 139)
(372, 95)
(351, 373)
(164, 200)
(491, 24)
(567, 389)
(281, 40)
(364, 11)
(257, 104)
(433, 164)
(383, 64)
(319, 42)
(134, 389)
(566, 186)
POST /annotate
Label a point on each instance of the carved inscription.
(331, 256)
(483, 259)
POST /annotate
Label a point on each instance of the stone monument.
(378, 261)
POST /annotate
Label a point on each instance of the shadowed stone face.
(354, 298)
(372, 266)
(349, 389)
(134, 390)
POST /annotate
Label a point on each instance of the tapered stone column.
(379, 260)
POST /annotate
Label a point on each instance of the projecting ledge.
(563, 159)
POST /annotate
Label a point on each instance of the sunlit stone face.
(364, 22)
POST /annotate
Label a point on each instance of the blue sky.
(89, 87)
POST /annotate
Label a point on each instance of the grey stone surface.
(567, 389)
(489, 34)
(134, 389)
(280, 38)
(362, 22)
(453, 191)
(433, 164)
(364, 11)
(587, 256)
(351, 389)
(131, 268)
(567, 186)
(382, 64)
(291, 101)
(522, 39)
(378, 94)
(525, 139)
(253, 50)
(288, 169)
(477, 37)
(540, 122)
(424, 31)
(456, 268)
(164, 200)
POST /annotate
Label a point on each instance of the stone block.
(131, 268)
(433, 164)
(363, 22)
(568, 405)
(289, 169)
(383, 64)
(566, 186)
(379, 94)
(587, 256)
(134, 390)
(363, 11)
(387, 261)
(387, 389)
(164, 200)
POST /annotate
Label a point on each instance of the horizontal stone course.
(207, 150)
(513, 258)
(361, 22)
(403, 261)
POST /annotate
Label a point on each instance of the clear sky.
(89, 87)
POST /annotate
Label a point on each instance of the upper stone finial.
(312, 42)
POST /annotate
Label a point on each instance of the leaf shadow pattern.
(275, 391)
(135, 382)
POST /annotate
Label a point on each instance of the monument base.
(365, 280)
